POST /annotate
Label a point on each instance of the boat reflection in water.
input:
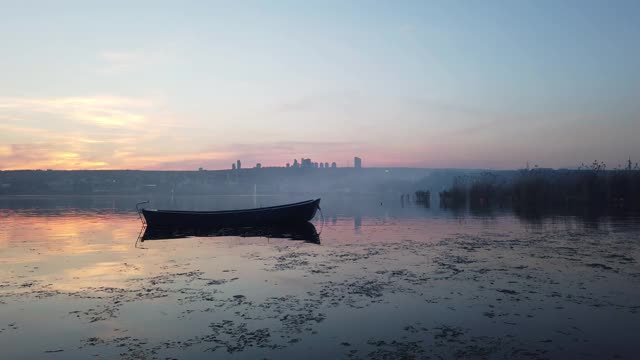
(305, 231)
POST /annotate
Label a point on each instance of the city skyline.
(403, 84)
(304, 163)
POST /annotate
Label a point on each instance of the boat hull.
(283, 214)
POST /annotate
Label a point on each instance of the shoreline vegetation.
(591, 187)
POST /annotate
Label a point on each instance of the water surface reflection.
(373, 278)
(305, 231)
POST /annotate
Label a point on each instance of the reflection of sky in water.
(69, 274)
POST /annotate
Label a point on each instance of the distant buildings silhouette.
(305, 163)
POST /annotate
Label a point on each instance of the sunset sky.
(183, 85)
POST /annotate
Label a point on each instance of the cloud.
(104, 111)
(44, 156)
(75, 132)
(5, 150)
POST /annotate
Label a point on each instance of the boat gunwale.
(269, 208)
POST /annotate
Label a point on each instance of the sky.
(179, 85)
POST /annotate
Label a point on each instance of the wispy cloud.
(72, 132)
(97, 132)
(44, 156)
(105, 111)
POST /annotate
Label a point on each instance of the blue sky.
(182, 85)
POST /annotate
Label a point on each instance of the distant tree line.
(537, 189)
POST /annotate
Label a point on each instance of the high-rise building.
(326, 165)
(334, 165)
(295, 163)
(357, 162)
(233, 166)
(239, 165)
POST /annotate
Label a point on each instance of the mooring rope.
(322, 224)
(139, 211)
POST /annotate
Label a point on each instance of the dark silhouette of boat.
(305, 231)
(295, 213)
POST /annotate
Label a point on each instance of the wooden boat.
(304, 231)
(283, 214)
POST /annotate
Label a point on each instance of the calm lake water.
(387, 279)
